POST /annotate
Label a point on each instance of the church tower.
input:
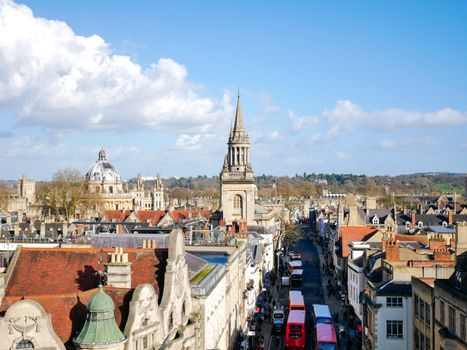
(238, 187)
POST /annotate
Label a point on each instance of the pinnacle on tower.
(238, 125)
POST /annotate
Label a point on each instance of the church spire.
(238, 126)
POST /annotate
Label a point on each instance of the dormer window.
(445, 224)
(407, 225)
(420, 224)
(375, 220)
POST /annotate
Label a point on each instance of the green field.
(447, 188)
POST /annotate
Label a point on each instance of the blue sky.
(361, 87)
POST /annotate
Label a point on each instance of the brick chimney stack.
(450, 217)
(441, 254)
(392, 249)
(412, 222)
(437, 242)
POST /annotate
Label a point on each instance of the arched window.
(388, 228)
(25, 344)
(238, 202)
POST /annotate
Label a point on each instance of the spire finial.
(238, 93)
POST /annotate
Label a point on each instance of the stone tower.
(238, 189)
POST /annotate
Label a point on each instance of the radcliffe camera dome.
(102, 170)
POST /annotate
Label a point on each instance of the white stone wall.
(356, 282)
(404, 314)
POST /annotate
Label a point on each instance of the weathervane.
(102, 277)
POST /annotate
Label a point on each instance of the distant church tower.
(238, 187)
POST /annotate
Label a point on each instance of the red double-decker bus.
(295, 330)
(325, 337)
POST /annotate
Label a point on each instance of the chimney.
(118, 269)
(64, 229)
(17, 230)
(392, 250)
(461, 238)
(450, 217)
(437, 242)
(243, 226)
(441, 254)
(42, 230)
(412, 222)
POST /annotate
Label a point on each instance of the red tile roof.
(354, 233)
(63, 280)
(151, 216)
(178, 214)
(116, 215)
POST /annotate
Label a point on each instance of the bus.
(296, 279)
(295, 330)
(325, 335)
(294, 265)
(278, 319)
(296, 301)
(321, 314)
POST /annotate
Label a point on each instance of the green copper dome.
(101, 302)
(100, 326)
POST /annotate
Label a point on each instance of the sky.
(363, 87)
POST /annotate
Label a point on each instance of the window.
(441, 312)
(416, 303)
(407, 225)
(394, 329)
(427, 343)
(422, 342)
(417, 339)
(394, 302)
(463, 325)
(427, 313)
(420, 224)
(422, 310)
(375, 220)
(237, 202)
(452, 319)
(145, 342)
(25, 344)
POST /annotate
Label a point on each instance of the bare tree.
(4, 198)
(66, 196)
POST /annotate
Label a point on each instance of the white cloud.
(270, 137)
(188, 142)
(420, 141)
(301, 122)
(346, 116)
(57, 79)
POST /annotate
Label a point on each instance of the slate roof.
(398, 288)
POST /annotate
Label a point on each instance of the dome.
(101, 302)
(102, 170)
(100, 327)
